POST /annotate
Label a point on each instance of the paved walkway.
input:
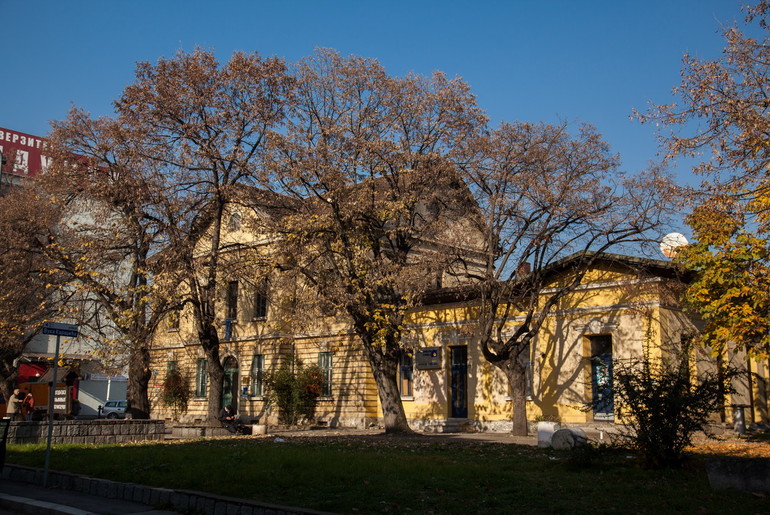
(17, 497)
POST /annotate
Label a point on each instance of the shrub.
(295, 389)
(662, 407)
(176, 393)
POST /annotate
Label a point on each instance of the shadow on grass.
(398, 474)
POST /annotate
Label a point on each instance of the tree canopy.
(721, 118)
(30, 285)
(387, 186)
(545, 194)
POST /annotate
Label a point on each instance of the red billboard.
(25, 153)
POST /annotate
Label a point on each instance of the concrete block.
(545, 431)
(748, 474)
(180, 501)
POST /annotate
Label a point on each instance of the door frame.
(458, 381)
(603, 403)
(231, 367)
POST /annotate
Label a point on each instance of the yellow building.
(625, 308)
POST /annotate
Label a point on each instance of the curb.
(37, 507)
(163, 498)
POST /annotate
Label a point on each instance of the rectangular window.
(325, 364)
(260, 301)
(257, 375)
(405, 373)
(201, 378)
(232, 300)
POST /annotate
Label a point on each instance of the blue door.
(459, 383)
(601, 381)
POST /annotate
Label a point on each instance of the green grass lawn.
(403, 475)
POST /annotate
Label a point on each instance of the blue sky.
(580, 61)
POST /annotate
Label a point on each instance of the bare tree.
(364, 160)
(203, 126)
(545, 196)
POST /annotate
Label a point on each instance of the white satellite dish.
(671, 242)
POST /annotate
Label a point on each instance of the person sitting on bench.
(228, 419)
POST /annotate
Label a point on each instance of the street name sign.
(59, 329)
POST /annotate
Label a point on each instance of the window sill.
(407, 397)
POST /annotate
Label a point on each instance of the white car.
(114, 409)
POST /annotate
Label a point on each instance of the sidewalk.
(17, 497)
(21, 491)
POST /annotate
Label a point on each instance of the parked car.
(114, 409)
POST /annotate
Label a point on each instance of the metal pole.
(50, 412)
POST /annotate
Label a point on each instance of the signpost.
(59, 330)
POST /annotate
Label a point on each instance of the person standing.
(13, 406)
(28, 405)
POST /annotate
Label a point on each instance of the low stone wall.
(179, 431)
(99, 431)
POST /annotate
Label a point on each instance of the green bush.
(663, 406)
(295, 389)
(176, 393)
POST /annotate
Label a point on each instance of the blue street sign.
(59, 329)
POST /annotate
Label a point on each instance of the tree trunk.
(384, 370)
(517, 377)
(139, 375)
(393, 413)
(210, 342)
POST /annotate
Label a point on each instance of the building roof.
(640, 265)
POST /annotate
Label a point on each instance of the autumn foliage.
(720, 118)
(387, 188)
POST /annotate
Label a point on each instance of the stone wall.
(99, 431)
